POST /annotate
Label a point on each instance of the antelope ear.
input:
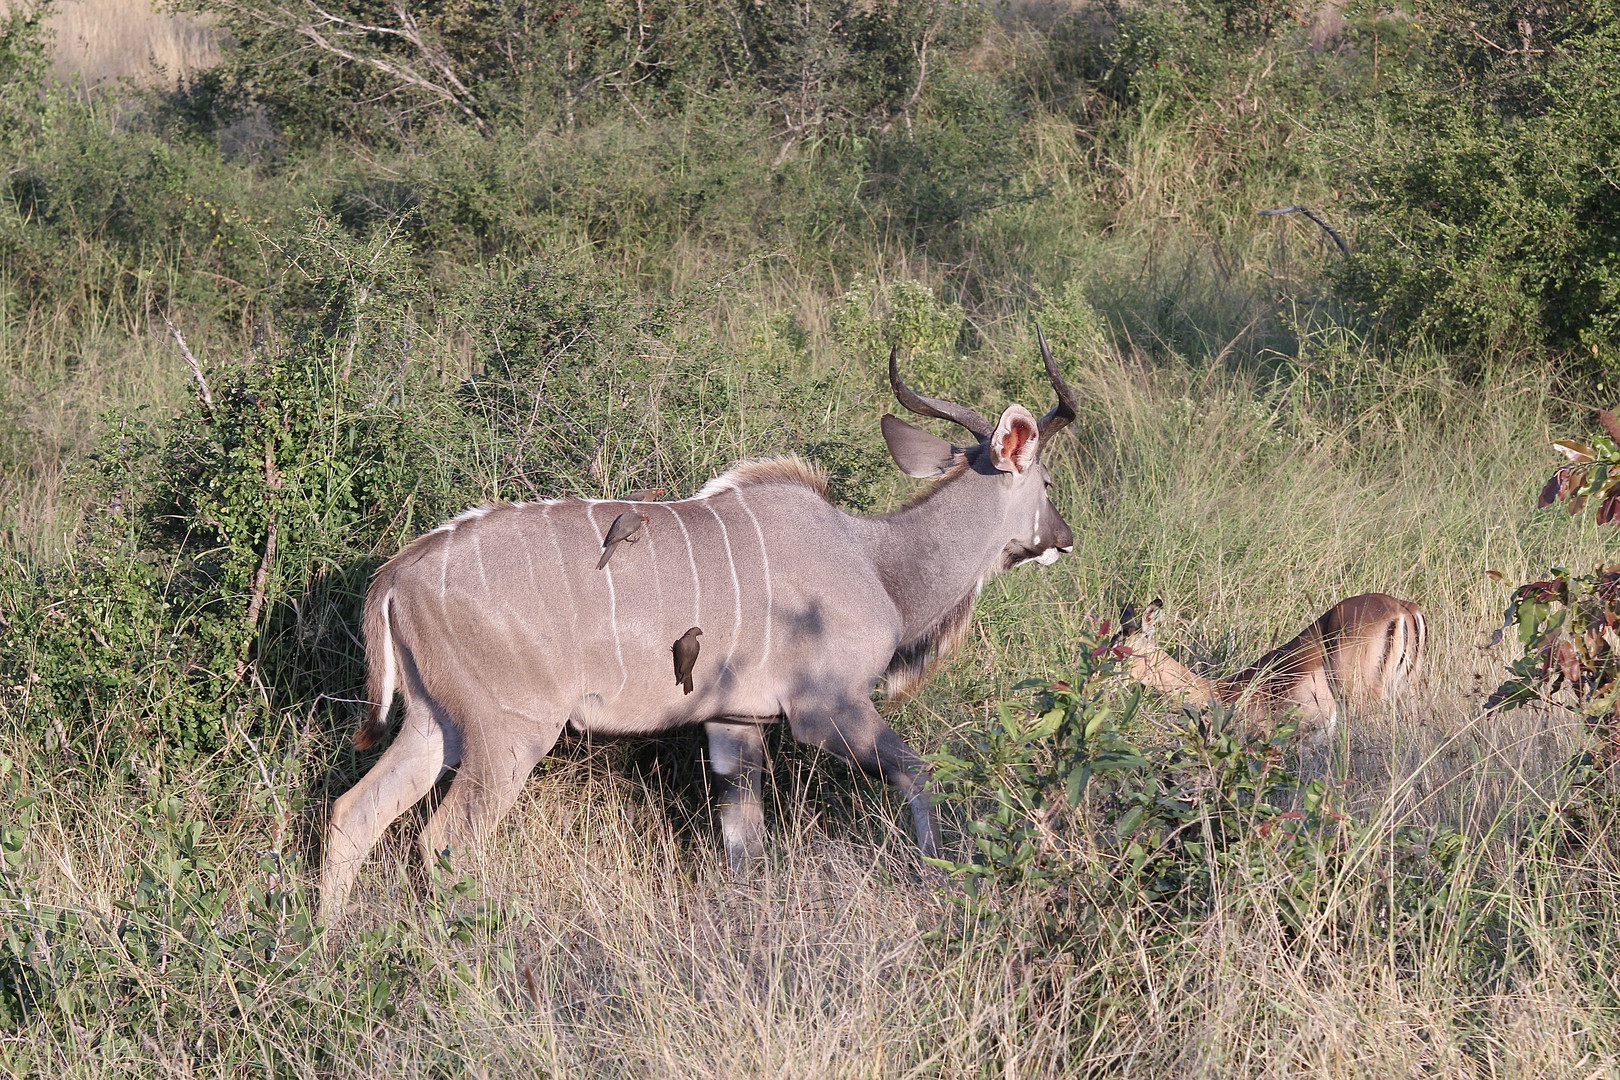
(917, 452)
(1152, 619)
(1014, 442)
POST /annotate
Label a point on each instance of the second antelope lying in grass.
(1363, 650)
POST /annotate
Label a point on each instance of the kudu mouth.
(1055, 420)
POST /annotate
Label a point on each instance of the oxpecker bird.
(622, 531)
(686, 654)
(644, 495)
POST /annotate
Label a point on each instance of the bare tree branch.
(1344, 249)
(196, 368)
(272, 479)
(433, 72)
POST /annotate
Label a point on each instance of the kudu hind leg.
(737, 758)
(492, 773)
(405, 773)
(858, 734)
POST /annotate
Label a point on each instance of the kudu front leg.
(858, 734)
(737, 759)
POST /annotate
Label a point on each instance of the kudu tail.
(381, 667)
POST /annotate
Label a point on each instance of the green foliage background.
(640, 241)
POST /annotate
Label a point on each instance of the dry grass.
(642, 956)
(1250, 497)
(99, 41)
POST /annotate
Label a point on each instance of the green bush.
(1488, 216)
(377, 71)
(220, 579)
(961, 157)
(24, 61)
(109, 216)
(1075, 829)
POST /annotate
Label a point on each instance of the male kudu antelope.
(498, 629)
(1363, 650)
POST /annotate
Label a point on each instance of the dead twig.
(431, 71)
(1344, 248)
(196, 368)
(261, 578)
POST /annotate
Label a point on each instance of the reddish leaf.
(1554, 489)
(1494, 575)
(1569, 664)
(1607, 509)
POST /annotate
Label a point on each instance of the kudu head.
(1004, 464)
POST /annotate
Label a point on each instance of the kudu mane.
(792, 469)
(914, 660)
(757, 472)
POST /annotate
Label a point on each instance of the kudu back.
(498, 630)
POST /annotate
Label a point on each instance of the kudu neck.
(939, 550)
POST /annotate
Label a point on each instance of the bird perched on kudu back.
(686, 654)
(622, 531)
(644, 495)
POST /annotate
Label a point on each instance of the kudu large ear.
(917, 452)
(1016, 440)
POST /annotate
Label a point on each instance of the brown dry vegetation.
(1241, 452)
(99, 41)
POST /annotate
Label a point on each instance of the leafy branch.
(1569, 624)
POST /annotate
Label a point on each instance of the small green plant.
(1569, 624)
(1073, 823)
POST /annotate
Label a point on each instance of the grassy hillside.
(600, 269)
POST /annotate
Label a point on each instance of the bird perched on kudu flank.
(686, 654)
(622, 531)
